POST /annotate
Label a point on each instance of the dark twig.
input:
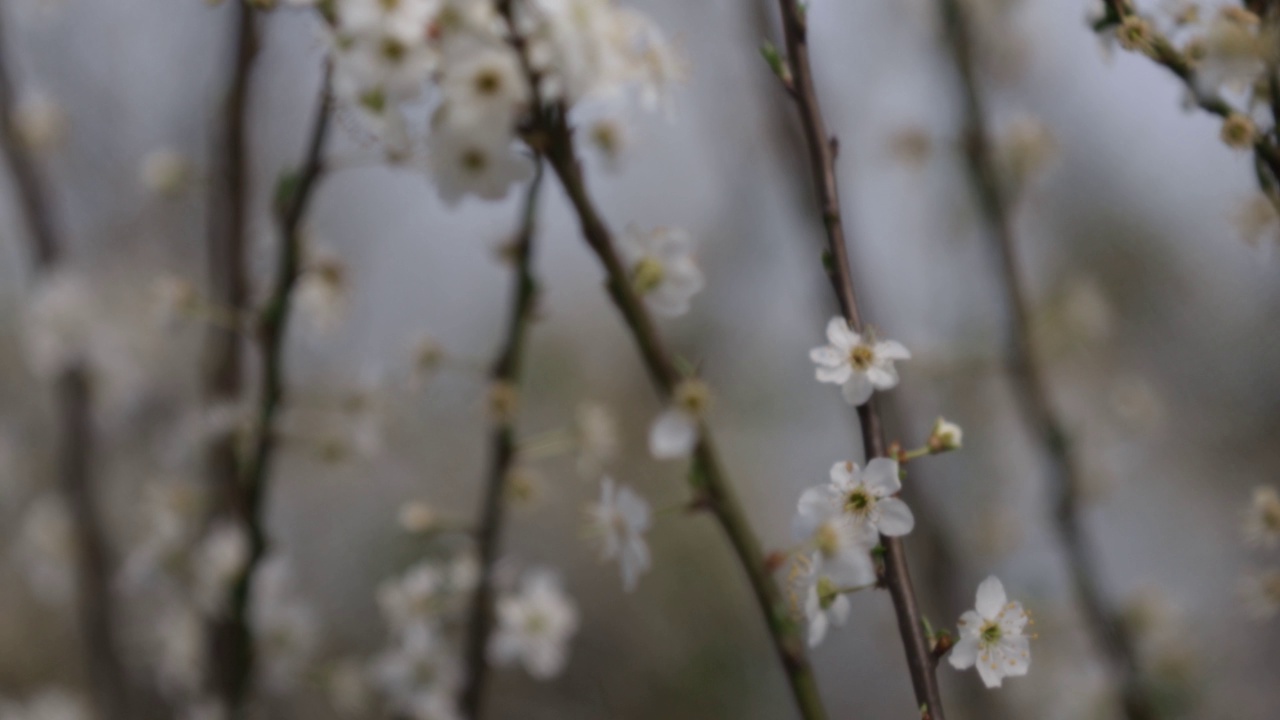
(293, 197)
(822, 151)
(1103, 621)
(708, 478)
(503, 454)
(223, 381)
(95, 607)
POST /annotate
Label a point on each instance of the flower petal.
(844, 475)
(673, 435)
(891, 350)
(881, 477)
(989, 669)
(895, 517)
(964, 654)
(837, 375)
(827, 356)
(1012, 619)
(840, 335)
(815, 506)
(991, 598)
(1017, 656)
(882, 376)
(857, 389)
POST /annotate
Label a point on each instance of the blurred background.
(1155, 302)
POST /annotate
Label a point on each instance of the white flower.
(676, 430)
(534, 626)
(58, 324)
(663, 270)
(172, 511)
(1262, 520)
(321, 294)
(843, 545)
(597, 434)
(165, 172)
(858, 363)
(469, 162)
(619, 521)
(1260, 591)
(414, 598)
(420, 675)
(866, 495)
(991, 636)
(826, 603)
(219, 560)
(484, 86)
(285, 629)
(40, 123)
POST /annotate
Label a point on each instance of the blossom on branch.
(858, 362)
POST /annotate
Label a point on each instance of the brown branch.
(108, 682)
(707, 476)
(1104, 623)
(822, 148)
(293, 197)
(223, 381)
(503, 453)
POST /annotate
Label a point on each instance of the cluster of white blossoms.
(1226, 48)
(1261, 588)
(857, 362)
(535, 624)
(839, 525)
(456, 61)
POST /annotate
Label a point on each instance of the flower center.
(990, 632)
(393, 50)
(647, 274)
(858, 501)
(827, 592)
(535, 623)
(861, 357)
(474, 160)
(488, 82)
(827, 540)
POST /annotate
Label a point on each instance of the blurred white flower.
(619, 522)
(285, 628)
(843, 545)
(945, 436)
(419, 675)
(484, 86)
(165, 172)
(675, 432)
(1260, 591)
(597, 438)
(991, 636)
(825, 605)
(662, 268)
(46, 549)
(857, 362)
(1262, 519)
(219, 560)
(535, 625)
(58, 323)
(414, 598)
(171, 514)
(321, 294)
(470, 162)
(179, 641)
(866, 496)
(40, 122)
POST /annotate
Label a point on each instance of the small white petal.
(882, 377)
(891, 350)
(991, 598)
(838, 375)
(857, 390)
(827, 356)
(964, 654)
(839, 334)
(881, 477)
(895, 517)
(673, 435)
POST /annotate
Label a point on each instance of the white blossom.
(219, 560)
(826, 602)
(866, 496)
(842, 544)
(662, 268)
(285, 628)
(945, 435)
(619, 521)
(484, 86)
(474, 162)
(535, 625)
(858, 362)
(676, 430)
(991, 636)
(1262, 519)
(320, 297)
(419, 674)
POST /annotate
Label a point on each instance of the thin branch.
(223, 381)
(503, 453)
(95, 607)
(822, 148)
(293, 197)
(1104, 623)
(707, 476)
